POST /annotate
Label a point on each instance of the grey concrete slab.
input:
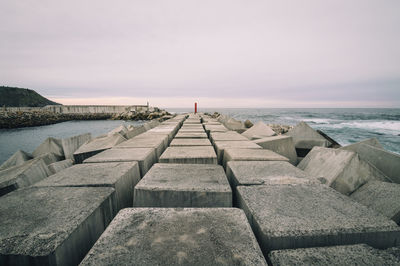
(190, 142)
(146, 157)
(258, 131)
(305, 137)
(50, 145)
(58, 166)
(190, 126)
(191, 130)
(184, 236)
(236, 154)
(18, 158)
(220, 146)
(96, 146)
(372, 141)
(193, 135)
(282, 145)
(189, 154)
(226, 136)
(49, 158)
(339, 169)
(300, 216)
(52, 225)
(215, 128)
(23, 175)
(135, 131)
(160, 130)
(70, 145)
(121, 176)
(336, 255)
(158, 142)
(121, 130)
(383, 197)
(183, 185)
(191, 121)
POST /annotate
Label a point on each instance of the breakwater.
(201, 190)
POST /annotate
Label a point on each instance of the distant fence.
(82, 109)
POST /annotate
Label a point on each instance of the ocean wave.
(392, 127)
(319, 120)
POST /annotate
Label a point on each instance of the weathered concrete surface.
(135, 131)
(233, 124)
(163, 136)
(18, 158)
(235, 154)
(193, 135)
(160, 130)
(58, 166)
(121, 176)
(339, 169)
(215, 128)
(336, 255)
(70, 145)
(226, 136)
(97, 145)
(299, 216)
(191, 121)
(50, 145)
(259, 131)
(167, 236)
(372, 141)
(121, 130)
(146, 157)
(387, 162)
(383, 197)
(246, 173)
(183, 185)
(52, 226)
(221, 145)
(282, 145)
(158, 142)
(190, 142)
(189, 154)
(191, 130)
(191, 126)
(23, 175)
(48, 158)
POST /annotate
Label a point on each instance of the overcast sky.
(221, 53)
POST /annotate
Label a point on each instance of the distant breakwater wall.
(82, 109)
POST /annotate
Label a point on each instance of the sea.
(346, 126)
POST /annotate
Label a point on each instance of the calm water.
(28, 138)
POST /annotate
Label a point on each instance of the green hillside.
(18, 97)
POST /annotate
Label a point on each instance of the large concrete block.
(282, 145)
(191, 121)
(194, 135)
(337, 255)
(135, 131)
(220, 146)
(235, 154)
(192, 126)
(18, 158)
(226, 136)
(300, 216)
(372, 141)
(158, 142)
(383, 197)
(164, 130)
(53, 225)
(48, 158)
(191, 130)
(189, 154)
(183, 185)
(259, 131)
(167, 236)
(121, 176)
(121, 130)
(233, 124)
(339, 169)
(146, 157)
(58, 166)
(190, 142)
(96, 146)
(385, 161)
(215, 128)
(23, 175)
(50, 145)
(70, 145)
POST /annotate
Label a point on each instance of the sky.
(225, 53)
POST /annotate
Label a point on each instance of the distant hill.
(18, 97)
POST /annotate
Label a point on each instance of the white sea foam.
(318, 120)
(391, 127)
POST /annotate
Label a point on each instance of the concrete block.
(190, 142)
(70, 145)
(372, 141)
(121, 130)
(259, 131)
(383, 197)
(215, 128)
(300, 216)
(18, 158)
(189, 154)
(226, 136)
(121, 176)
(183, 185)
(167, 236)
(221, 145)
(164, 130)
(146, 157)
(58, 166)
(339, 169)
(234, 154)
(282, 145)
(50, 145)
(53, 225)
(48, 158)
(386, 162)
(96, 146)
(233, 124)
(191, 121)
(192, 126)
(23, 175)
(158, 142)
(194, 135)
(247, 173)
(336, 255)
(191, 130)
(136, 131)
